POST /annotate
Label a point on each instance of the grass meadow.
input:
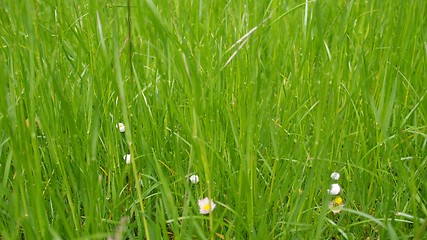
(261, 100)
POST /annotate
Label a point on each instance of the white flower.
(127, 158)
(194, 178)
(335, 189)
(121, 127)
(335, 176)
(336, 205)
(206, 205)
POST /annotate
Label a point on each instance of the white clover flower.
(335, 189)
(121, 127)
(335, 176)
(127, 158)
(194, 178)
(206, 205)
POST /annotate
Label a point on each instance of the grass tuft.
(262, 100)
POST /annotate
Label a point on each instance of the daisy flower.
(335, 189)
(194, 178)
(206, 205)
(127, 158)
(336, 205)
(335, 176)
(121, 127)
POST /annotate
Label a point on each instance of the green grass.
(262, 99)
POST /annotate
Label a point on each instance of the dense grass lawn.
(224, 119)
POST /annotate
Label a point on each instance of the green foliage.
(262, 99)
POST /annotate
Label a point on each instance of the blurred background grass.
(262, 99)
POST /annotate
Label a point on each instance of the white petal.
(335, 208)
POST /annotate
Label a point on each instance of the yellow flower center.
(206, 207)
(337, 201)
